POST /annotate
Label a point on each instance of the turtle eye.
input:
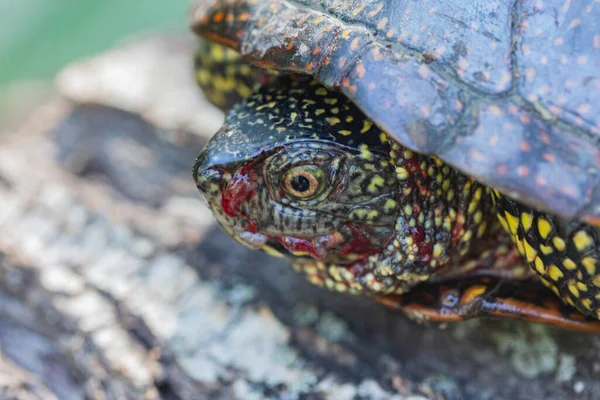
(304, 182)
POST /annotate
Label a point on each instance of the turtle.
(439, 157)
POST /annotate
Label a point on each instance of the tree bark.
(116, 284)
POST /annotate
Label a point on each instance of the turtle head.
(297, 171)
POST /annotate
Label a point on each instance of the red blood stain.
(302, 245)
(425, 249)
(359, 242)
(252, 227)
(239, 191)
(418, 234)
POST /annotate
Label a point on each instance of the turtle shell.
(506, 91)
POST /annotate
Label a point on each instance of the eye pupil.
(300, 184)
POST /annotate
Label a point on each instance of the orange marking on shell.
(569, 190)
(540, 181)
(583, 109)
(222, 40)
(597, 41)
(495, 110)
(355, 44)
(525, 146)
(592, 220)
(493, 140)
(382, 23)
(476, 154)
(377, 54)
(218, 17)
(376, 10)
(525, 119)
(372, 86)
(575, 23)
(424, 71)
(360, 70)
(545, 137)
(523, 170)
(550, 157)
(309, 66)
(555, 109)
(501, 169)
(245, 16)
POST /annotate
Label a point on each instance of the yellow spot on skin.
(555, 273)
(589, 263)
(390, 205)
(268, 105)
(513, 222)
(331, 101)
(401, 173)
(526, 221)
(581, 286)
(467, 236)
(372, 214)
(365, 152)
(482, 228)
(539, 266)
(321, 91)
(596, 281)
(345, 132)
(546, 249)
(587, 304)
(569, 264)
(437, 250)
(300, 253)
(558, 243)
(573, 289)
(503, 223)
(544, 227)
(333, 120)
(349, 118)
(530, 252)
(319, 111)
(366, 125)
(376, 182)
(271, 251)
(582, 240)
(293, 116)
(244, 90)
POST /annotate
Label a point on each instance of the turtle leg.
(564, 254)
(459, 300)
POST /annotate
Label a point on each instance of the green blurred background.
(38, 37)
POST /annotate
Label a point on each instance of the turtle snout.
(208, 179)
